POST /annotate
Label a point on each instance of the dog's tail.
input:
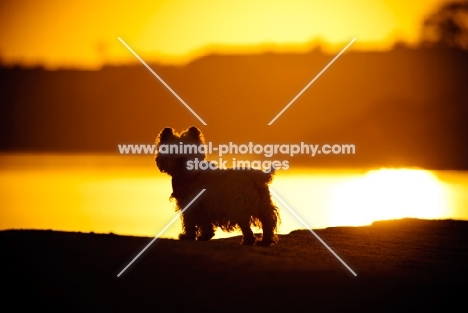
(264, 177)
(269, 173)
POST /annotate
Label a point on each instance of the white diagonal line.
(160, 233)
(162, 81)
(313, 233)
(311, 82)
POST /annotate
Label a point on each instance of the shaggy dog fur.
(234, 198)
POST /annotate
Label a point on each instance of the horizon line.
(181, 60)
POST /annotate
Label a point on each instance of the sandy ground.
(404, 265)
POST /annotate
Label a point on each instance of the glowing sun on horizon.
(387, 194)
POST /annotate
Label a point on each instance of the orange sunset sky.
(84, 33)
(402, 109)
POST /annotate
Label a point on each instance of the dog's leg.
(190, 228)
(248, 236)
(268, 226)
(207, 232)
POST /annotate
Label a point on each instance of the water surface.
(127, 195)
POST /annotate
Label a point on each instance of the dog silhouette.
(234, 198)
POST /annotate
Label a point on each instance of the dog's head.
(174, 150)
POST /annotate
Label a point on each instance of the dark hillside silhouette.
(404, 107)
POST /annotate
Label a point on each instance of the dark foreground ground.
(404, 265)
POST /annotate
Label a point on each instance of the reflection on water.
(128, 195)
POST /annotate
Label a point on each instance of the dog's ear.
(166, 134)
(195, 134)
